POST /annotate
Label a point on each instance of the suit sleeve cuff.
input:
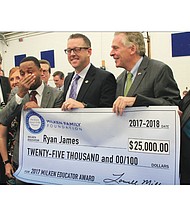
(18, 99)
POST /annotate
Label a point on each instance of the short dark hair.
(31, 58)
(78, 35)
(60, 74)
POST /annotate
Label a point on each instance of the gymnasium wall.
(160, 48)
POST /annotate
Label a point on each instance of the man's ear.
(133, 48)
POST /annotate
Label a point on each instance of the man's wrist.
(6, 162)
(85, 105)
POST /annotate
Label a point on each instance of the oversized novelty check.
(95, 146)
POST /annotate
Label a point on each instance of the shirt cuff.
(18, 99)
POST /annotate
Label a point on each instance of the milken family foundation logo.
(35, 123)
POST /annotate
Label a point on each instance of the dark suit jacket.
(185, 141)
(98, 88)
(185, 108)
(6, 89)
(51, 98)
(154, 84)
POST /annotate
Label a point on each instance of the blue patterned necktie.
(73, 91)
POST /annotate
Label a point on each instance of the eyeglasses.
(45, 71)
(75, 50)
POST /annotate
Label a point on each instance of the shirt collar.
(136, 67)
(40, 89)
(1, 94)
(83, 73)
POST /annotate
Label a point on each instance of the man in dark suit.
(5, 88)
(87, 86)
(152, 81)
(46, 97)
(185, 140)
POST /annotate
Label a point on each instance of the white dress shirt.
(82, 75)
(1, 94)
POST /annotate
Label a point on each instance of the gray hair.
(134, 38)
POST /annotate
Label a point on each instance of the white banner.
(95, 146)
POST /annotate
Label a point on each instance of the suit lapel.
(185, 109)
(68, 82)
(185, 117)
(139, 76)
(136, 83)
(5, 88)
(26, 98)
(89, 78)
(45, 97)
(121, 84)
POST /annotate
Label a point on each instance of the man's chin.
(74, 63)
(118, 66)
(33, 87)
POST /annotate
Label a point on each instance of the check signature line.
(118, 179)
